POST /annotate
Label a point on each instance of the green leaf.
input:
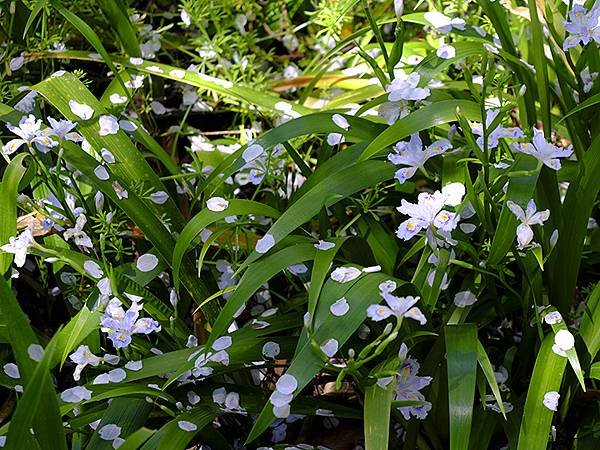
(136, 439)
(378, 402)
(248, 95)
(89, 34)
(255, 276)
(46, 419)
(171, 437)
(306, 363)
(547, 376)
(488, 371)
(593, 100)
(207, 217)
(9, 191)
(589, 330)
(37, 391)
(128, 413)
(35, 11)
(579, 201)
(427, 117)
(118, 19)
(461, 358)
(329, 191)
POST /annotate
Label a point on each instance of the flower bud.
(399, 8)
(522, 90)
(388, 328)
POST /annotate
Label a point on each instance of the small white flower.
(75, 394)
(93, 269)
(136, 61)
(330, 347)
(109, 432)
(81, 110)
(399, 8)
(82, 357)
(551, 400)
(271, 350)
(187, 426)
(287, 384)
(101, 173)
(19, 246)
(217, 204)
(545, 152)
(388, 286)
(339, 307)
(16, 63)
(117, 99)
(405, 88)
(396, 306)
(108, 125)
(12, 370)
(464, 299)
(324, 245)
(147, 262)
(528, 218)
(345, 274)
(340, 121)
(265, 244)
(553, 317)
(414, 155)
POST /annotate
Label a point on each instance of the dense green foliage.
(291, 224)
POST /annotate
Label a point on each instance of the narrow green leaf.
(537, 418)
(429, 116)
(118, 19)
(9, 191)
(488, 371)
(47, 422)
(378, 402)
(207, 217)
(461, 358)
(589, 330)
